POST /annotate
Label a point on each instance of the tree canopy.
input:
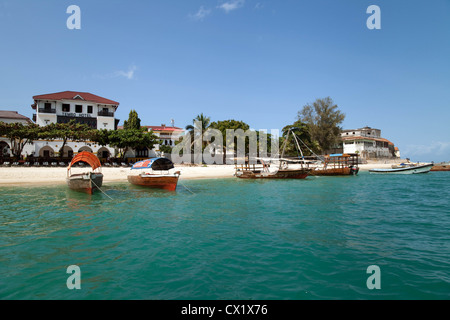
(19, 135)
(323, 120)
(133, 121)
(70, 131)
(301, 130)
(127, 139)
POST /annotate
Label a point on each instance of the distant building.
(168, 135)
(368, 143)
(83, 107)
(11, 117)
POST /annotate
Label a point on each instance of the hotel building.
(368, 143)
(83, 107)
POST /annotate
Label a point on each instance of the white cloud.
(127, 74)
(201, 14)
(232, 5)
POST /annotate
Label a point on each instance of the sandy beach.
(22, 176)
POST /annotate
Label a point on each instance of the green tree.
(70, 131)
(323, 119)
(19, 135)
(133, 121)
(124, 140)
(225, 125)
(301, 130)
(199, 126)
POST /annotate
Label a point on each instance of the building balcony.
(105, 114)
(44, 110)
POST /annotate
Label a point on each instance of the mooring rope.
(100, 189)
(186, 187)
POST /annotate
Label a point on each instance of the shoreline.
(30, 176)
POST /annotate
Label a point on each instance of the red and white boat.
(86, 181)
(154, 173)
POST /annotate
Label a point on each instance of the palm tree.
(201, 123)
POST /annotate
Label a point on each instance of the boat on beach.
(154, 173)
(86, 182)
(407, 169)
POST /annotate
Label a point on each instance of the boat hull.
(166, 182)
(281, 174)
(407, 170)
(335, 172)
(87, 182)
(441, 167)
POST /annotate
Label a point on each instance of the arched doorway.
(85, 148)
(46, 152)
(103, 153)
(5, 150)
(67, 152)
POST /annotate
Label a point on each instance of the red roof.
(367, 138)
(74, 95)
(158, 128)
(161, 128)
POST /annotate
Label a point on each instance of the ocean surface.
(231, 239)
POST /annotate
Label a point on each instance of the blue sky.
(259, 61)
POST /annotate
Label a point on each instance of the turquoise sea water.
(231, 239)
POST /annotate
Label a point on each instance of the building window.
(47, 106)
(66, 107)
(89, 109)
(78, 108)
(142, 152)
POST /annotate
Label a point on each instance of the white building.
(84, 108)
(168, 135)
(368, 143)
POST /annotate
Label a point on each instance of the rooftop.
(12, 115)
(158, 128)
(74, 95)
(367, 138)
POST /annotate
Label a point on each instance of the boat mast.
(300, 149)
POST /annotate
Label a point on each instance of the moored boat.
(337, 165)
(263, 171)
(154, 173)
(444, 166)
(86, 182)
(404, 170)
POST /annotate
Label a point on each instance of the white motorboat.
(405, 169)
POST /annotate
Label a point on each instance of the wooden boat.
(441, 166)
(86, 182)
(154, 173)
(264, 171)
(415, 169)
(337, 165)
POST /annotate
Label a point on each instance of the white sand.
(52, 176)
